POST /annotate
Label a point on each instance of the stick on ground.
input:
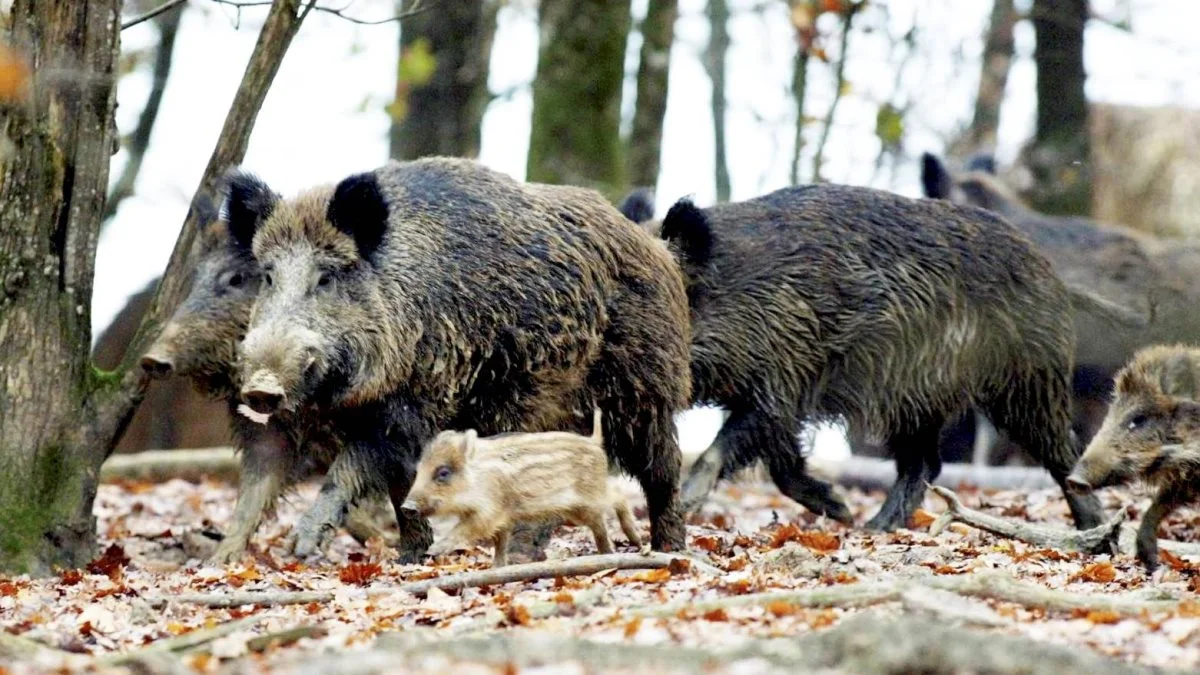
(1102, 539)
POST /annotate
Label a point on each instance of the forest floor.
(133, 607)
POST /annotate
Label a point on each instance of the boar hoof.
(309, 541)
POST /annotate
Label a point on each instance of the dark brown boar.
(1155, 278)
(825, 302)
(1151, 433)
(491, 484)
(437, 294)
(198, 345)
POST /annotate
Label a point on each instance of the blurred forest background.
(1089, 108)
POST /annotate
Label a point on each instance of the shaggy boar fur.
(491, 484)
(826, 301)
(199, 343)
(438, 294)
(1151, 433)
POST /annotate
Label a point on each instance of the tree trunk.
(60, 416)
(1060, 157)
(52, 187)
(799, 90)
(993, 79)
(575, 136)
(443, 114)
(645, 139)
(714, 63)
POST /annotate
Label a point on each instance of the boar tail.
(1083, 300)
(597, 429)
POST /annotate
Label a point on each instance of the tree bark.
(1060, 156)
(139, 141)
(59, 416)
(444, 115)
(799, 90)
(714, 63)
(575, 137)
(993, 77)
(52, 189)
(645, 139)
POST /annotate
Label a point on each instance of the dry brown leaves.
(359, 573)
(1097, 573)
(111, 563)
(815, 540)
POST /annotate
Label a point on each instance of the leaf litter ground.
(155, 537)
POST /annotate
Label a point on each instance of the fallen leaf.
(781, 608)
(517, 615)
(359, 573)
(717, 614)
(737, 564)
(70, 577)
(1103, 617)
(1173, 561)
(632, 626)
(1101, 572)
(176, 628)
(821, 542)
(679, 567)
(111, 563)
(657, 576)
(822, 619)
(7, 588)
(708, 544)
(921, 519)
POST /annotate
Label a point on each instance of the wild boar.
(828, 302)
(199, 343)
(1151, 433)
(438, 294)
(1155, 278)
(491, 484)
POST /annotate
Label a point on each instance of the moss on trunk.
(575, 137)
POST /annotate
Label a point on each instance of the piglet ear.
(359, 209)
(1131, 383)
(935, 177)
(1179, 377)
(469, 444)
(248, 204)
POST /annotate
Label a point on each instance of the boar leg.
(628, 524)
(917, 463)
(263, 473)
(734, 448)
(1167, 500)
(1043, 428)
(594, 521)
(500, 540)
(643, 442)
(528, 541)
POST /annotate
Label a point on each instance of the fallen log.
(162, 465)
(1101, 539)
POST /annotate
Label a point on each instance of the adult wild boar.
(1156, 278)
(826, 301)
(199, 343)
(438, 294)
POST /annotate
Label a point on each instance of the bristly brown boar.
(1151, 433)
(492, 484)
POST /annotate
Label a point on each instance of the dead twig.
(417, 7)
(1101, 539)
(181, 642)
(146, 16)
(242, 598)
(284, 637)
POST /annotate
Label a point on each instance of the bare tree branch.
(838, 85)
(146, 16)
(417, 7)
(139, 142)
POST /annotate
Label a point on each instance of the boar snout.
(158, 365)
(263, 392)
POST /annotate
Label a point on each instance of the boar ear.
(638, 205)
(687, 226)
(248, 203)
(1178, 378)
(1131, 383)
(469, 444)
(359, 210)
(935, 179)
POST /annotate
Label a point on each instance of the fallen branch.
(163, 465)
(867, 473)
(864, 644)
(20, 648)
(1128, 540)
(181, 642)
(549, 569)
(283, 638)
(1101, 539)
(994, 586)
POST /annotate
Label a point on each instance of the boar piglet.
(1151, 433)
(493, 483)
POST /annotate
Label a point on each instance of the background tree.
(575, 136)
(1060, 156)
(993, 80)
(59, 415)
(654, 66)
(714, 64)
(441, 84)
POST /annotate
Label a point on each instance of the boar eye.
(442, 474)
(1137, 421)
(236, 280)
(324, 280)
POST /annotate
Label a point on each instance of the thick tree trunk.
(645, 139)
(1060, 156)
(575, 137)
(52, 188)
(443, 115)
(714, 63)
(59, 416)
